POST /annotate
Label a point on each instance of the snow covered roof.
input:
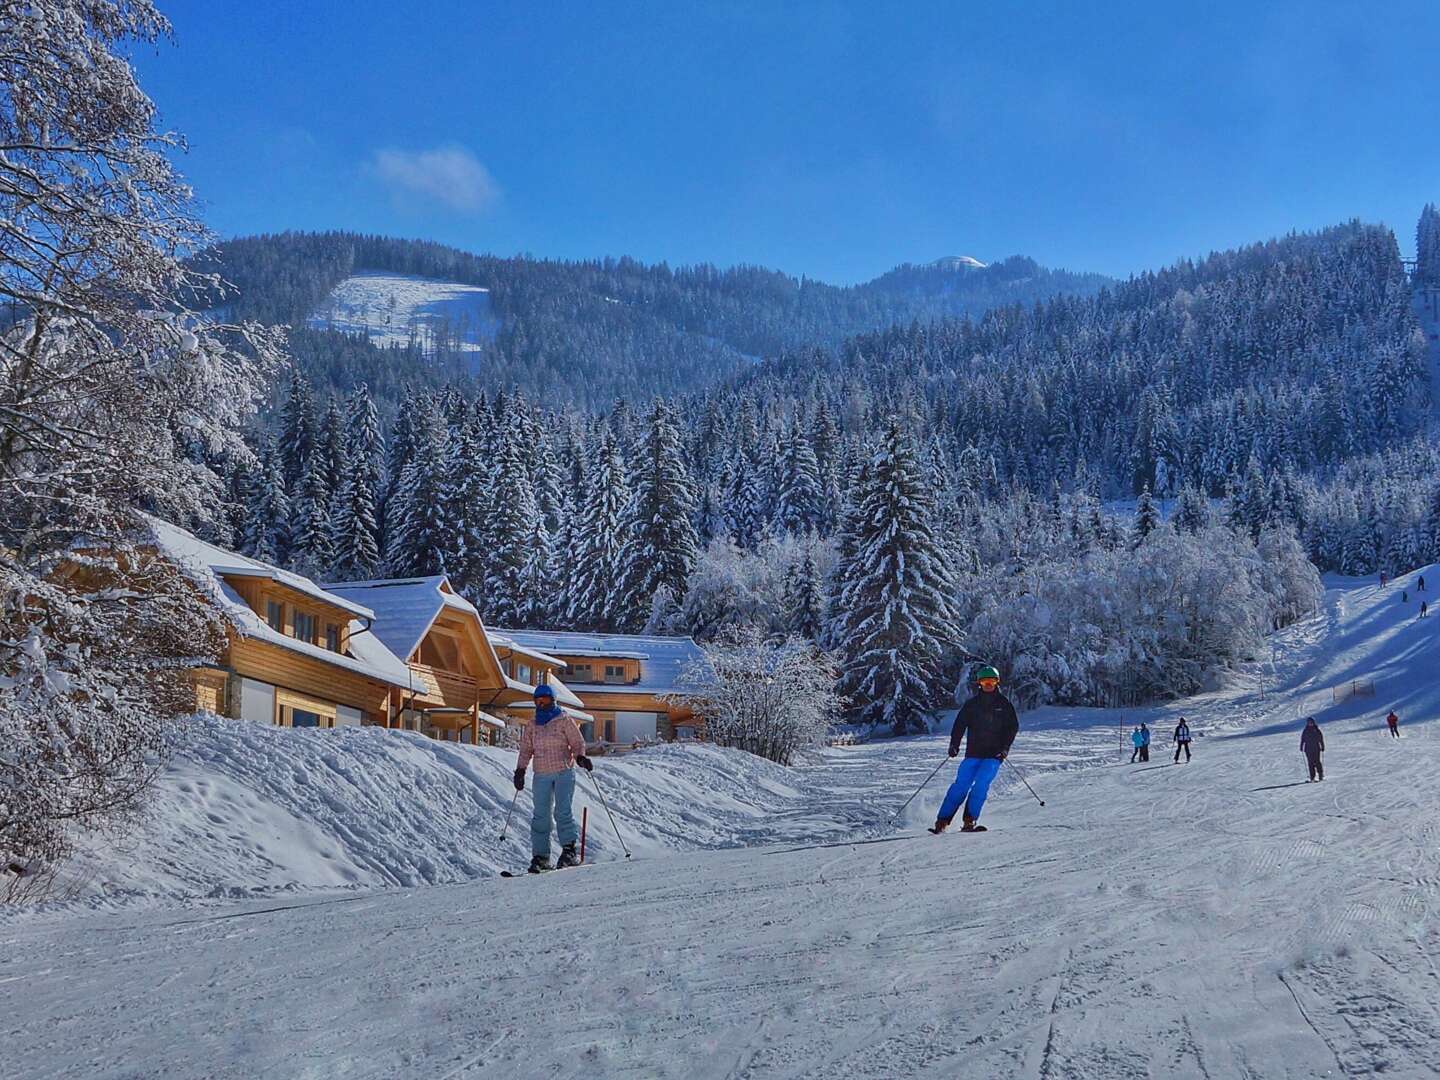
(500, 641)
(209, 565)
(185, 546)
(662, 659)
(405, 608)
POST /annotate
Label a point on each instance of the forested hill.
(588, 332)
(1292, 354)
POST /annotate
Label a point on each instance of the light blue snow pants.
(973, 778)
(557, 790)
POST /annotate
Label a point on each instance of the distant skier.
(988, 724)
(1382, 579)
(1312, 745)
(1424, 608)
(1394, 722)
(1405, 596)
(556, 745)
(1420, 585)
(1137, 740)
(1182, 740)
(1145, 746)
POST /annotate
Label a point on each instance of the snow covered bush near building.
(766, 698)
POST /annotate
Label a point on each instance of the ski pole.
(506, 827)
(1025, 782)
(921, 788)
(596, 784)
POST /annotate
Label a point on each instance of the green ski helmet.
(987, 672)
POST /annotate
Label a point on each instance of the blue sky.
(830, 139)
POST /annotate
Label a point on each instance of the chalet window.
(579, 673)
(305, 626)
(332, 637)
(522, 672)
(275, 615)
(614, 673)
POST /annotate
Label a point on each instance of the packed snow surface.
(1221, 918)
(396, 309)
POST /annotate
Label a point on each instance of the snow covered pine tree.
(897, 618)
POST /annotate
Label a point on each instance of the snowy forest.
(916, 498)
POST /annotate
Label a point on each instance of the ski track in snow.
(1216, 919)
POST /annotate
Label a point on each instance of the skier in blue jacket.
(988, 724)
(1137, 740)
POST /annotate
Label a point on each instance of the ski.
(538, 873)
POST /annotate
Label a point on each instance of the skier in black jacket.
(988, 724)
(1312, 742)
(1182, 740)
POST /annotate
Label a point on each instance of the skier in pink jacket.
(555, 745)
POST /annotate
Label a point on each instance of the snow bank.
(248, 810)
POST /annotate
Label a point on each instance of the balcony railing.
(451, 687)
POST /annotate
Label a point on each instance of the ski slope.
(397, 309)
(1216, 919)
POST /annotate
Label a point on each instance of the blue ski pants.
(973, 778)
(555, 790)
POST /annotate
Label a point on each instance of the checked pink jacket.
(554, 746)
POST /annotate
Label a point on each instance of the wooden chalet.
(296, 655)
(458, 685)
(621, 680)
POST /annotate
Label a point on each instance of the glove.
(954, 751)
(584, 762)
(1002, 754)
(519, 779)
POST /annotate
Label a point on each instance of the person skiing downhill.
(988, 724)
(1182, 740)
(556, 746)
(1394, 722)
(1138, 741)
(1312, 745)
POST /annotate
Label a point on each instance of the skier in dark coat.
(1182, 740)
(1145, 746)
(1394, 722)
(1312, 744)
(988, 724)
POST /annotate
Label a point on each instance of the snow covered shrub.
(1120, 628)
(765, 698)
(111, 398)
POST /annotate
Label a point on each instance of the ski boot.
(539, 864)
(568, 857)
(970, 825)
(941, 824)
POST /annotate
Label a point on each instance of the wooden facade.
(456, 682)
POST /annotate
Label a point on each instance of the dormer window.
(306, 627)
(332, 637)
(275, 615)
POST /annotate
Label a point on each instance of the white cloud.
(448, 176)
